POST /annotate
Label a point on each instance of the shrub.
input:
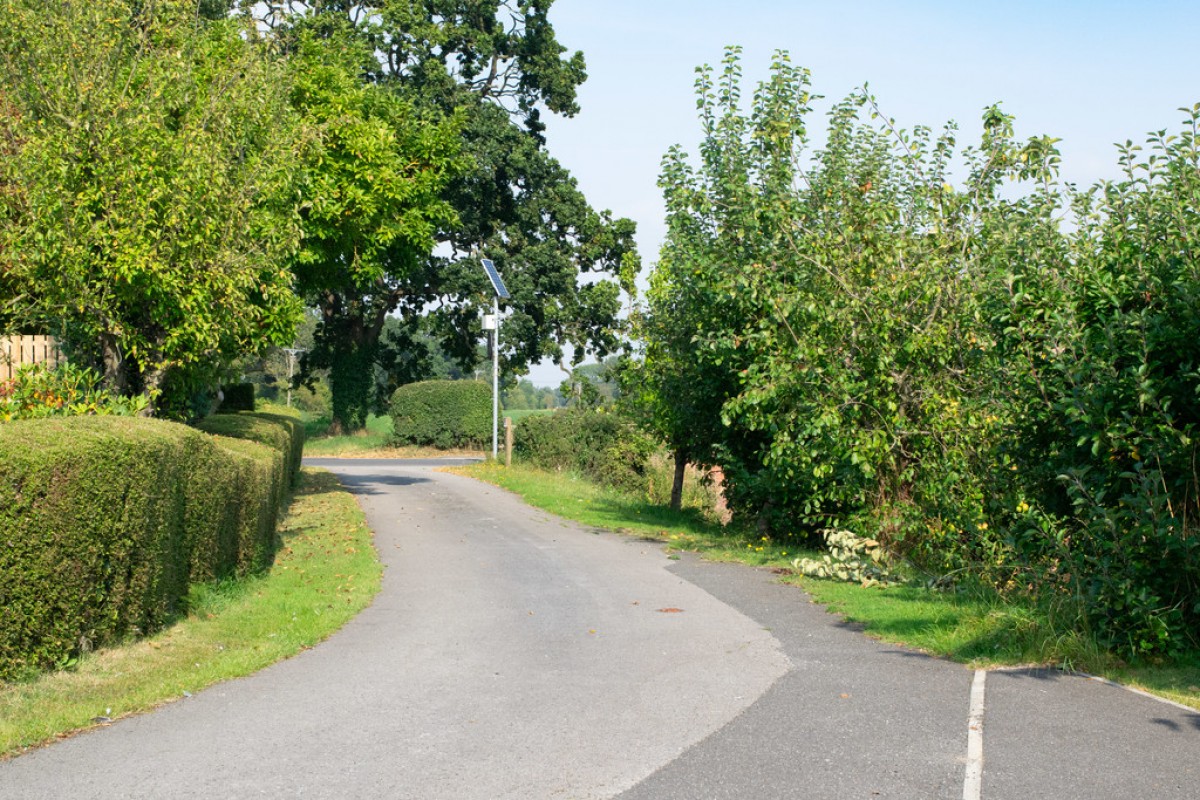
(987, 392)
(66, 390)
(238, 397)
(277, 408)
(442, 414)
(598, 443)
(104, 522)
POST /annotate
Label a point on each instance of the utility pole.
(292, 353)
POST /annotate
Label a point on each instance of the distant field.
(519, 414)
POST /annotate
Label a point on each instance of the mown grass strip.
(974, 629)
(578, 499)
(326, 571)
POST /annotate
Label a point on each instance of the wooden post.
(508, 441)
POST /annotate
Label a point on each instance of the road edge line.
(973, 778)
(1135, 690)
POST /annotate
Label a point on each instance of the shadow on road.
(367, 484)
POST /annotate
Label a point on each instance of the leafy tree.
(951, 371)
(691, 324)
(495, 66)
(524, 395)
(154, 152)
(371, 207)
(810, 327)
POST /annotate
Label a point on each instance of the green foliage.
(66, 390)
(372, 187)
(950, 371)
(104, 522)
(157, 194)
(493, 68)
(1103, 356)
(283, 433)
(442, 414)
(849, 558)
(238, 397)
(598, 443)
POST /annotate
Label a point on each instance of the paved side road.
(512, 655)
(856, 718)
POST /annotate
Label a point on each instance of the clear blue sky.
(1091, 73)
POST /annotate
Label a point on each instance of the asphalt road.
(513, 655)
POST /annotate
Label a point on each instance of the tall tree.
(13, 302)
(372, 204)
(496, 66)
(155, 156)
(700, 306)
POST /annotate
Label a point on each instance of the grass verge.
(371, 439)
(371, 442)
(326, 571)
(974, 629)
(579, 499)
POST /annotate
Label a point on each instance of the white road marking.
(973, 781)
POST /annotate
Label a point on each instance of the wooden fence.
(18, 350)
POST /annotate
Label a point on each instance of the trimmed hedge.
(105, 521)
(599, 444)
(442, 414)
(281, 433)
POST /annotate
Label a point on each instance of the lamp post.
(494, 327)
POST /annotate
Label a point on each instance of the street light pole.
(496, 379)
(501, 293)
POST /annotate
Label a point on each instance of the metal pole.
(495, 379)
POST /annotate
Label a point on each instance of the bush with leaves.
(1101, 350)
(598, 443)
(849, 558)
(442, 414)
(37, 391)
(105, 521)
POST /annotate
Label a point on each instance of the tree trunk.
(351, 384)
(353, 326)
(152, 381)
(681, 463)
(115, 378)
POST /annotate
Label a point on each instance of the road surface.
(511, 654)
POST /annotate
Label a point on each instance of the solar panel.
(494, 277)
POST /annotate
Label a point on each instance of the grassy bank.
(325, 572)
(974, 629)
